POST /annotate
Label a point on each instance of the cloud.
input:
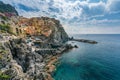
(72, 12)
(66, 8)
(113, 5)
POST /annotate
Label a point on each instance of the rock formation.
(49, 28)
(25, 44)
(19, 63)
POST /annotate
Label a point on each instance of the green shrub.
(4, 18)
(5, 28)
(4, 76)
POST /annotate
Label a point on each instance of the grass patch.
(4, 76)
(5, 27)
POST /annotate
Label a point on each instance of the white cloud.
(75, 12)
(113, 5)
(92, 5)
(68, 8)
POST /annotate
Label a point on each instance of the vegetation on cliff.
(23, 56)
(4, 76)
(49, 28)
(7, 8)
(5, 27)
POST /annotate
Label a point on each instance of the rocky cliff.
(17, 62)
(46, 27)
(27, 43)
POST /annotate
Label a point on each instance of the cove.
(91, 62)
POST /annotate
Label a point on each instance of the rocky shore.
(50, 64)
(84, 40)
(50, 67)
(27, 64)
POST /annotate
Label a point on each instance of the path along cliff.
(25, 58)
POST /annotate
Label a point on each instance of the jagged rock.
(76, 46)
(20, 63)
(8, 66)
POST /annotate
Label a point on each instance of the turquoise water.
(91, 62)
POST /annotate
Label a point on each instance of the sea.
(91, 61)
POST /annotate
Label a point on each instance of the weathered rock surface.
(19, 63)
(23, 57)
(45, 28)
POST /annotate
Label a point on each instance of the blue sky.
(77, 16)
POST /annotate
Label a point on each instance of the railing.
(45, 49)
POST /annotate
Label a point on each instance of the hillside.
(28, 44)
(49, 28)
(7, 9)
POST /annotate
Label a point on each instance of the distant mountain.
(7, 9)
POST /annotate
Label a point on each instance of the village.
(36, 32)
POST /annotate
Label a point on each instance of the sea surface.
(91, 61)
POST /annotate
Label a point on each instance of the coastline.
(50, 64)
(50, 67)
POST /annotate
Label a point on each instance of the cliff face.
(49, 28)
(17, 62)
(23, 54)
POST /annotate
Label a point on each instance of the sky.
(76, 16)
